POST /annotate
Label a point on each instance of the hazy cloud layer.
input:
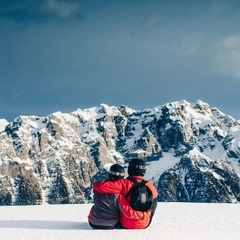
(40, 10)
(219, 5)
(188, 45)
(147, 24)
(137, 53)
(227, 56)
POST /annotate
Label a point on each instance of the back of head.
(116, 172)
(137, 167)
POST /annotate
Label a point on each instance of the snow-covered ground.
(173, 221)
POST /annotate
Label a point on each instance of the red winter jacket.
(105, 211)
(123, 186)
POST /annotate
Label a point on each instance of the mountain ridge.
(55, 159)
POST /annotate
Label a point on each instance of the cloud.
(16, 96)
(61, 10)
(40, 10)
(219, 5)
(226, 57)
(188, 45)
(147, 24)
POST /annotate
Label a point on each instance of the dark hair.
(137, 167)
(116, 172)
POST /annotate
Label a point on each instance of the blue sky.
(58, 55)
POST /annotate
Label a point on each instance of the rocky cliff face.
(192, 150)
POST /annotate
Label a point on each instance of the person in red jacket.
(136, 170)
(104, 214)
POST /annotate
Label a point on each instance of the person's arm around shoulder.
(108, 187)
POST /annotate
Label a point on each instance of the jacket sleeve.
(155, 196)
(153, 189)
(154, 206)
(126, 209)
(108, 187)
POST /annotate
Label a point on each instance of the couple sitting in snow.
(112, 207)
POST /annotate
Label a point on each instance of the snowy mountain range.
(192, 152)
